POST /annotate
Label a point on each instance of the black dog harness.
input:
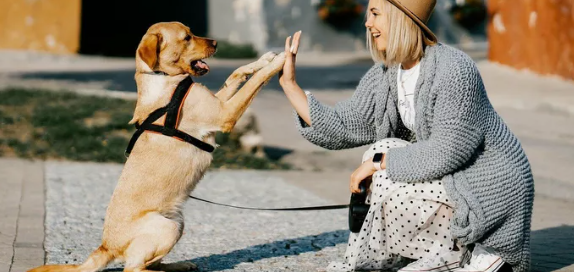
(169, 128)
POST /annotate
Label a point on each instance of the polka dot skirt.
(405, 219)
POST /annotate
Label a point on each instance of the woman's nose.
(369, 23)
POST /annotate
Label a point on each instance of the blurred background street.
(67, 91)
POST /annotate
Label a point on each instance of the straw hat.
(420, 11)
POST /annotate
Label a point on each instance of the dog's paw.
(245, 70)
(279, 59)
(269, 56)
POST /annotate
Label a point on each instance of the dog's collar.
(169, 128)
(156, 73)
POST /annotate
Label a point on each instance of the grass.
(62, 125)
(227, 50)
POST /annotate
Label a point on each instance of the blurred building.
(537, 35)
(533, 34)
(45, 25)
(102, 27)
(328, 25)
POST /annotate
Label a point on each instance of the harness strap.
(173, 108)
(172, 111)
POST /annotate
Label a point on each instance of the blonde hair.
(406, 40)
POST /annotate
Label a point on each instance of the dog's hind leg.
(141, 253)
(241, 74)
(156, 238)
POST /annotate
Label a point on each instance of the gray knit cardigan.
(460, 140)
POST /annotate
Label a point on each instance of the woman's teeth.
(376, 35)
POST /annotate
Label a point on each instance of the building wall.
(40, 25)
(266, 24)
(533, 34)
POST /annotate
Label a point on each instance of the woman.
(451, 185)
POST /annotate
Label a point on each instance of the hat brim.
(428, 33)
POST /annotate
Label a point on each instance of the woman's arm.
(346, 125)
(287, 80)
(298, 100)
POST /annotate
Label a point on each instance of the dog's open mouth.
(199, 67)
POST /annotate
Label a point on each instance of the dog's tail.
(99, 259)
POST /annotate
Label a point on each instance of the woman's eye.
(374, 14)
(188, 38)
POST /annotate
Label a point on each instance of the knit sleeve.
(349, 123)
(455, 134)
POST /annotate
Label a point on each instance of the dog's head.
(173, 49)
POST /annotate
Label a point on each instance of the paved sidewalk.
(21, 214)
(217, 238)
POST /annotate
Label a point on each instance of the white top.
(406, 83)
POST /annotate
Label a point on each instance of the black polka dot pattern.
(411, 222)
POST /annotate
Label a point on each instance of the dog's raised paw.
(279, 58)
(269, 56)
(245, 70)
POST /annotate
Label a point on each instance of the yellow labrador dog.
(144, 219)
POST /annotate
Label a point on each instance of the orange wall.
(533, 34)
(40, 25)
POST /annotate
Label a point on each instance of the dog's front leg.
(236, 105)
(241, 75)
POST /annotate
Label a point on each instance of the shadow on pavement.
(552, 248)
(282, 248)
(276, 153)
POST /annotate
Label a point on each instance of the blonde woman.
(451, 186)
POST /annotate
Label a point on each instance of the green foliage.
(227, 50)
(64, 125)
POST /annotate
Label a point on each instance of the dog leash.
(356, 213)
(310, 208)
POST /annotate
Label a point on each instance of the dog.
(144, 218)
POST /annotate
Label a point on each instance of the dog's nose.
(214, 43)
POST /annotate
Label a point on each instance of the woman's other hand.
(287, 75)
(365, 171)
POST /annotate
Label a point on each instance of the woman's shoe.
(446, 261)
(482, 260)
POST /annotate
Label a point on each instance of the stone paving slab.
(21, 214)
(216, 238)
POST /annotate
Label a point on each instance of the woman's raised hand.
(287, 76)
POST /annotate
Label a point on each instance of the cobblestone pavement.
(224, 239)
(216, 238)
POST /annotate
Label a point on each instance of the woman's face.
(377, 24)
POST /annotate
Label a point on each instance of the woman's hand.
(287, 75)
(364, 174)
(365, 171)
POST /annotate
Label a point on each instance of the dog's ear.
(148, 49)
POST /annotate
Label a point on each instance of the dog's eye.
(187, 38)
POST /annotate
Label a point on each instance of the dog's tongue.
(202, 65)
